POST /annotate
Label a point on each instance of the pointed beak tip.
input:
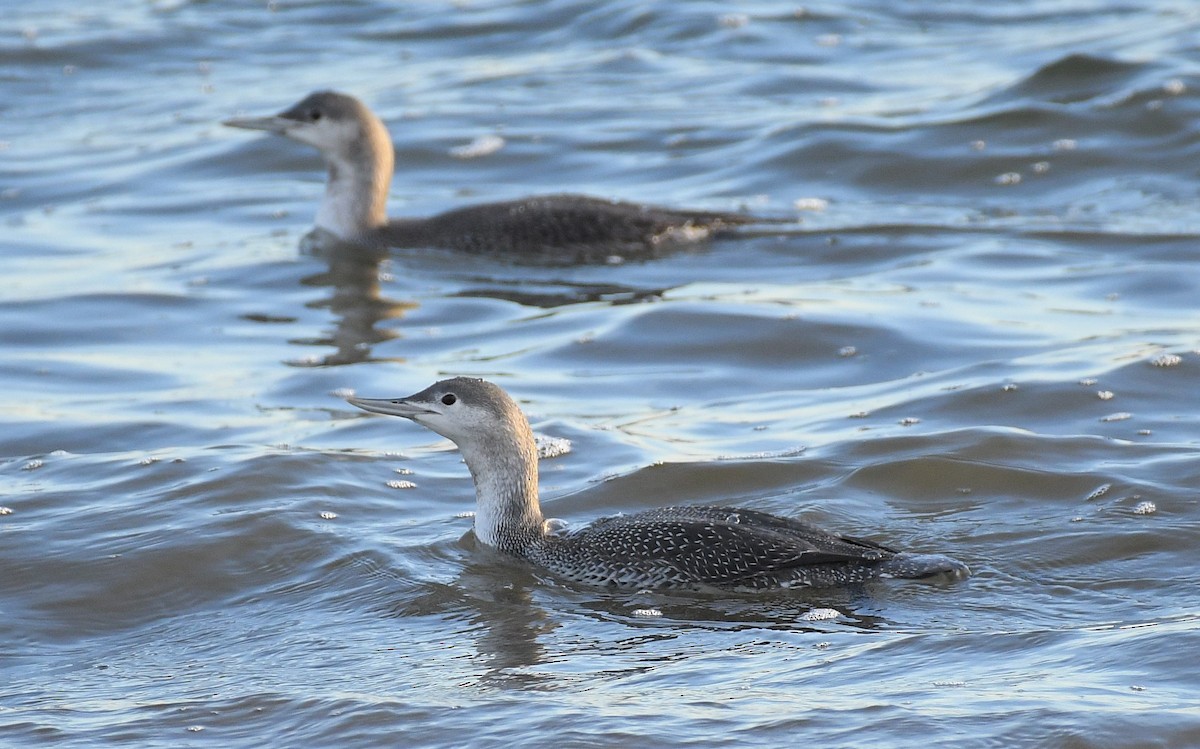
(387, 406)
(268, 124)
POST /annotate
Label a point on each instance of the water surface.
(977, 337)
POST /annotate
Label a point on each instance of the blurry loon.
(686, 548)
(360, 157)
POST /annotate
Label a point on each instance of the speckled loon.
(359, 155)
(684, 548)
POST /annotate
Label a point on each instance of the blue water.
(979, 336)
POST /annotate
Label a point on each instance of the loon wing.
(722, 545)
(570, 223)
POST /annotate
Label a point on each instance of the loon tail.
(908, 566)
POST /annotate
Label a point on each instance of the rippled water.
(980, 338)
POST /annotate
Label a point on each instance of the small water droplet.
(327, 515)
(1145, 508)
(846, 351)
(1104, 395)
(1008, 178)
(1167, 360)
(646, 612)
(810, 204)
(484, 145)
(400, 484)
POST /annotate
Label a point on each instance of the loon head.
(356, 147)
(465, 410)
(334, 123)
(497, 445)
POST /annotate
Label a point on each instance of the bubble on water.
(949, 683)
(820, 615)
(1009, 387)
(1088, 381)
(195, 729)
(1144, 432)
(403, 471)
(342, 393)
(33, 465)
(978, 145)
(648, 613)
(1145, 508)
(1118, 416)
(846, 351)
(484, 145)
(1104, 395)
(399, 484)
(327, 515)
(1167, 360)
(6, 510)
(148, 461)
(1137, 687)
(465, 514)
(908, 421)
(1098, 492)
(1008, 178)
(551, 447)
(810, 204)
(1065, 144)
(1041, 167)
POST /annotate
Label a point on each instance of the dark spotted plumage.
(689, 548)
(572, 228)
(575, 227)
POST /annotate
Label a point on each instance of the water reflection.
(356, 302)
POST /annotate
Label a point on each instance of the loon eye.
(449, 399)
(314, 115)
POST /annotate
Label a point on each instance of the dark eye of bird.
(449, 399)
(314, 115)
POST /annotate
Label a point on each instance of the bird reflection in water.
(353, 274)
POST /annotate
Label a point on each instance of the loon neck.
(356, 188)
(508, 515)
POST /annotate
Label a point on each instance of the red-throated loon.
(359, 154)
(685, 548)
